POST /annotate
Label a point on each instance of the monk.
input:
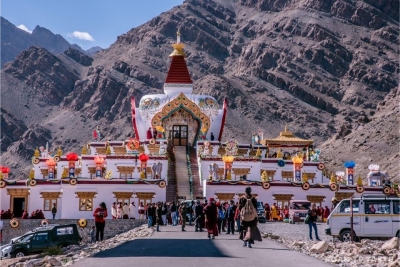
(211, 218)
(274, 212)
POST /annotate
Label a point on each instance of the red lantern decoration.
(71, 156)
(99, 160)
(5, 170)
(51, 162)
(143, 157)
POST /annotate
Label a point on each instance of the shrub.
(51, 251)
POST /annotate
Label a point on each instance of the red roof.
(178, 72)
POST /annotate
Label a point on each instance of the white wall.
(68, 203)
(266, 196)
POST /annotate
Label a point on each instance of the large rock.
(391, 244)
(320, 247)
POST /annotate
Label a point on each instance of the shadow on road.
(164, 248)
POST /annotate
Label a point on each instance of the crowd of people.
(275, 213)
(8, 214)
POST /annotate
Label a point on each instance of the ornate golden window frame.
(85, 200)
(51, 197)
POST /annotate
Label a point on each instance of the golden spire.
(178, 47)
(108, 150)
(59, 151)
(64, 173)
(333, 179)
(84, 151)
(32, 174)
(285, 128)
(279, 154)
(37, 153)
(359, 181)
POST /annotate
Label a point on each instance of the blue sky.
(86, 22)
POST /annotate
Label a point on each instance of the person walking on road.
(182, 213)
(159, 219)
(231, 217)
(221, 216)
(249, 219)
(312, 222)
(173, 214)
(198, 212)
(99, 215)
(211, 218)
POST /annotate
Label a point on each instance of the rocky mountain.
(327, 69)
(93, 50)
(15, 40)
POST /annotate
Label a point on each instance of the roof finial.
(178, 37)
(285, 128)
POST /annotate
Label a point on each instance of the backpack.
(248, 212)
(221, 214)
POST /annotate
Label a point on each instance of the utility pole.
(351, 219)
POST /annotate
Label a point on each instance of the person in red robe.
(211, 219)
(326, 213)
(149, 133)
(286, 212)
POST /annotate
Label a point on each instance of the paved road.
(171, 247)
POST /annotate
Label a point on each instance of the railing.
(189, 167)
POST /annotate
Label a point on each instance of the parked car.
(41, 238)
(375, 216)
(298, 210)
(5, 249)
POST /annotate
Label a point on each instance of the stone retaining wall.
(112, 228)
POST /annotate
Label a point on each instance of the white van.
(374, 216)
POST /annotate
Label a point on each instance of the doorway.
(18, 206)
(180, 135)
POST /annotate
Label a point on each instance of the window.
(65, 231)
(344, 206)
(377, 207)
(40, 237)
(49, 203)
(396, 207)
(85, 204)
(125, 175)
(49, 199)
(86, 200)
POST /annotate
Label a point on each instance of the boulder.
(297, 244)
(54, 262)
(273, 236)
(391, 244)
(320, 247)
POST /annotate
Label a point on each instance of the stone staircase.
(197, 188)
(182, 175)
(171, 187)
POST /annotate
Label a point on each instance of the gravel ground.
(297, 231)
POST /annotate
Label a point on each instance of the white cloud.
(24, 28)
(81, 36)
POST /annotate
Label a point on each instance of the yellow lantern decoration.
(160, 129)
